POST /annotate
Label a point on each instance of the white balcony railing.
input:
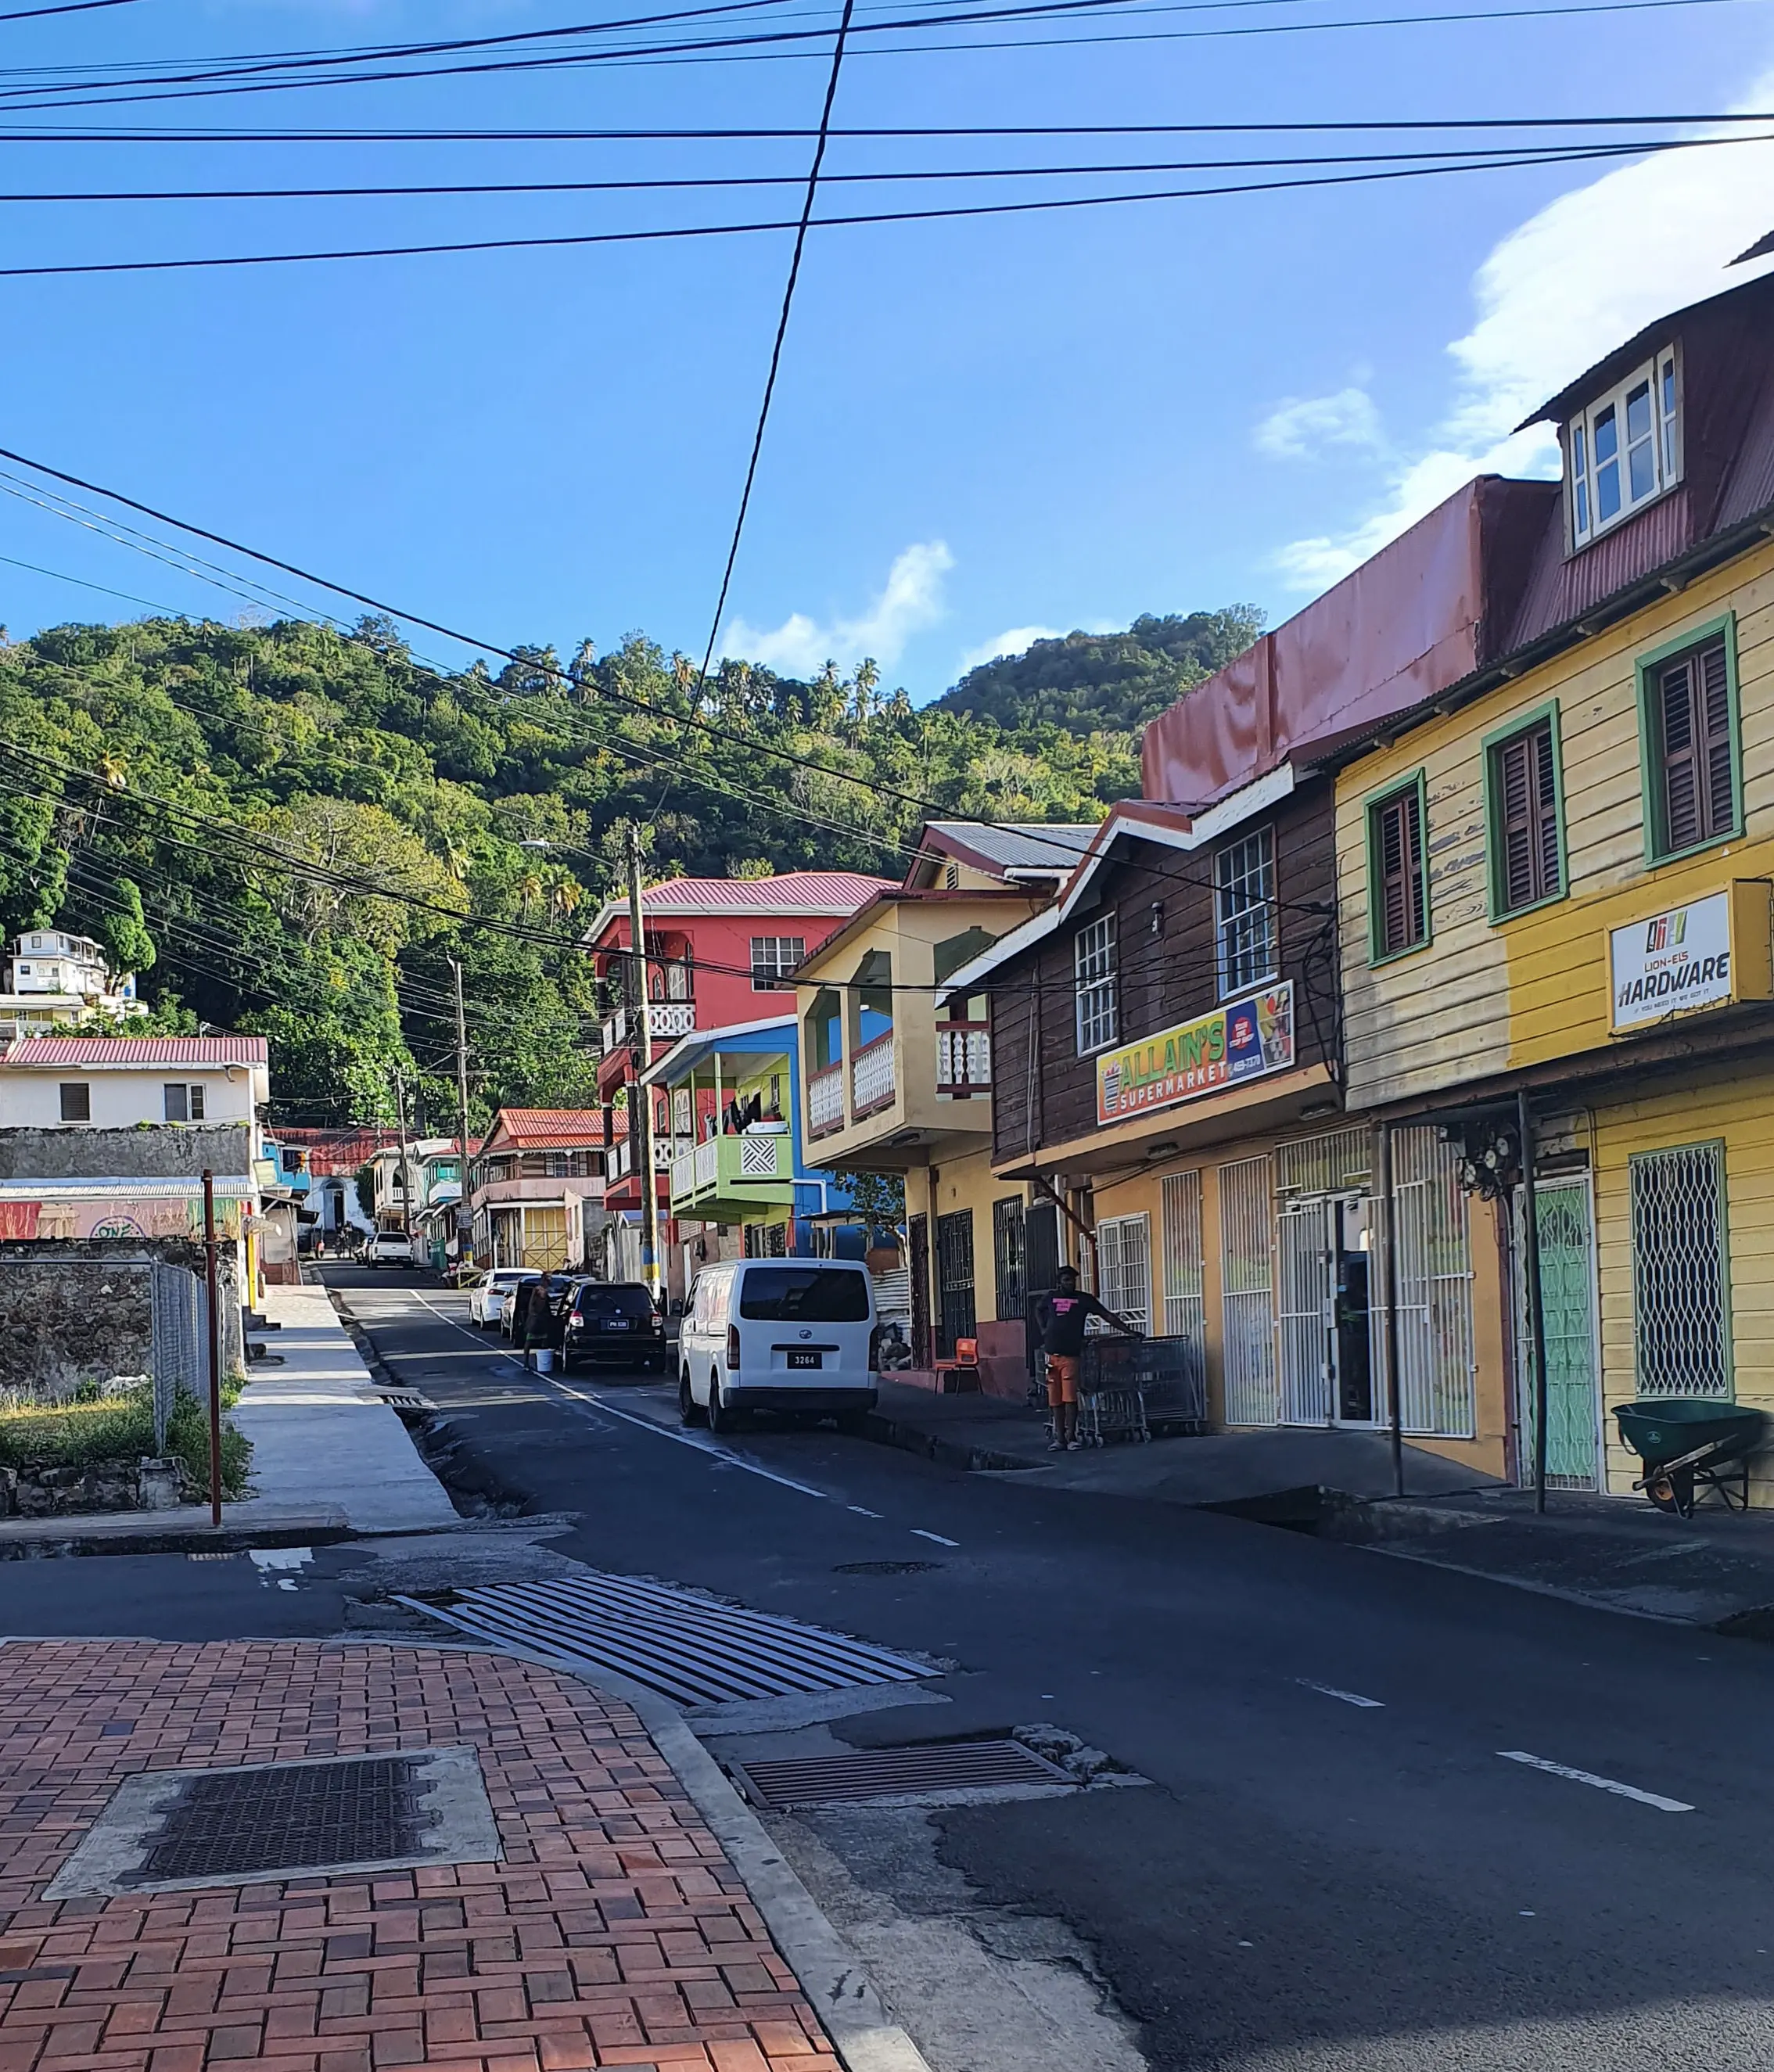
(825, 1101)
(622, 1155)
(964, 1058)
(667, 1020)
(872, 1084)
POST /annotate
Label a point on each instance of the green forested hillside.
(228, 806)
(1087, 682)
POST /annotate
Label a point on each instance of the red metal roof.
(793, 894)
(547, 1126)
(50, 1051)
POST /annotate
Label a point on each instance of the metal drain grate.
(884, 1568)
(691, 1651)
(927, 1768)
(238, 1822)
(181, 1830)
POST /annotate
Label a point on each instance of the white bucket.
(544, 1359)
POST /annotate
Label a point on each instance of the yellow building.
(896, 1077)
(1554, 885)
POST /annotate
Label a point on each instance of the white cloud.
(1575, 281)
(1300, 428)
(910, 600)
(1014, 641)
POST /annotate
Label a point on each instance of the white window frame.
(1244, 901)
(772, 957)
(1093, 985)
(1662, 375)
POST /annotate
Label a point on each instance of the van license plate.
(803, 1359)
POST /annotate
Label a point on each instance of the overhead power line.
(1567, 155)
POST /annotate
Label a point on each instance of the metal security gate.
(918, 1244)
(1247, 1293)
(1303, 1313)
(955, 1314)
(1009, 1282)
(1680, 1276)
(180, 1339)
(1041, 1269)
(1185, 1301)
(1124, 1265)
(1563, 1210)
(1437, 1378)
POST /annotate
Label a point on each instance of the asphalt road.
(1361, 1849)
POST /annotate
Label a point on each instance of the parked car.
(510, 1310)
(489, 1298)
(615, 1321)
(389, 1249)
(791, 1335)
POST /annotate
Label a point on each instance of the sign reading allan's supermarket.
(1241, 1041)
(1674, 961)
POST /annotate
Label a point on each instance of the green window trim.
(1495, 890)
(1418, 782)
(1656, 850)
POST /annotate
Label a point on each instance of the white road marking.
(1600, 1783)
(1348, 1697)
(922, 1534)
(863, 1511)
(602, 1403)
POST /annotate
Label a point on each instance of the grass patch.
(121, 1428)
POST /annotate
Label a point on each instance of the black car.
(615, 1321)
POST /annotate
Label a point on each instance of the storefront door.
(1323, 1320)
(1567, 1295)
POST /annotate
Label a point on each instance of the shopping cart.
(1129, 1386)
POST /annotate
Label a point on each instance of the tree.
(123, 932)
(878, 1198)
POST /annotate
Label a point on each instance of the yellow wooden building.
(1554, 881)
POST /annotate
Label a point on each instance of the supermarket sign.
(1243, 1040)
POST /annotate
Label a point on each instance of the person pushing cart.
(1061, 1317)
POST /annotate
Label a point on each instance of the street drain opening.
(884, 1568)
(924, 1769)
(1310, 1509)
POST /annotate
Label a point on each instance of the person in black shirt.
(1062, 1317)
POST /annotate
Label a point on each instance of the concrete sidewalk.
(329, 1455)
(612, 1930)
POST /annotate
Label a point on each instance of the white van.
(788, 1334)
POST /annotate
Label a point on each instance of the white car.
(487, 1300)
(389, 1249)
(794, 1335)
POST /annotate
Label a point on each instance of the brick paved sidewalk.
(614, 1931)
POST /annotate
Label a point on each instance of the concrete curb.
(866, 2038)
(887, 1431)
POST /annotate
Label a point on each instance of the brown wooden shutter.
(1695, 739)
(1527, 817)
(1401, 852)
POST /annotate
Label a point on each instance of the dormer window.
(1625, 449)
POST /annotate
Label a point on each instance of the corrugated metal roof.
(553, 1125)
(50, 1050)
(1019, 845)
(794, 893)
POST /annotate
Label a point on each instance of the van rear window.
(804, 1294)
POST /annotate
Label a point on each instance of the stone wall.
(75, 1311)
(157, 1151)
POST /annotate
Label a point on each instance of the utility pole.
(406, 1168)
(210, 1282)
(644, 1043)
(464, 1211)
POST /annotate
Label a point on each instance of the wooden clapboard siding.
(1732, 1105)
(1483, 996)
(1163, 979)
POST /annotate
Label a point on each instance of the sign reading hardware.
(1241, 1041)
(1671, 961)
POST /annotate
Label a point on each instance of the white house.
(119, 1081)
(54, 978)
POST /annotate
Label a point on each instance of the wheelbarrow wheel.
(1672, 1493)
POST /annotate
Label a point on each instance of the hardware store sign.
(1241, 1041)
(1674, 961)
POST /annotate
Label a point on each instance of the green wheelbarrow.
(1690, 1444)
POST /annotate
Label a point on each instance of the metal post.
(406, 1167)
(1536, 1314)
(1395, 1394)
(215, 1351)
(464, 1210)
(649, 1184)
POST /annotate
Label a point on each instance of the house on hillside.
(538, 1188)
(718, 952)
(897, 1075)
(54, 979)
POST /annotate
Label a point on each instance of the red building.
(717, 949)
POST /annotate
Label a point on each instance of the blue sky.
(981, 427)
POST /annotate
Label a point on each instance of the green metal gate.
(1567, 1294)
